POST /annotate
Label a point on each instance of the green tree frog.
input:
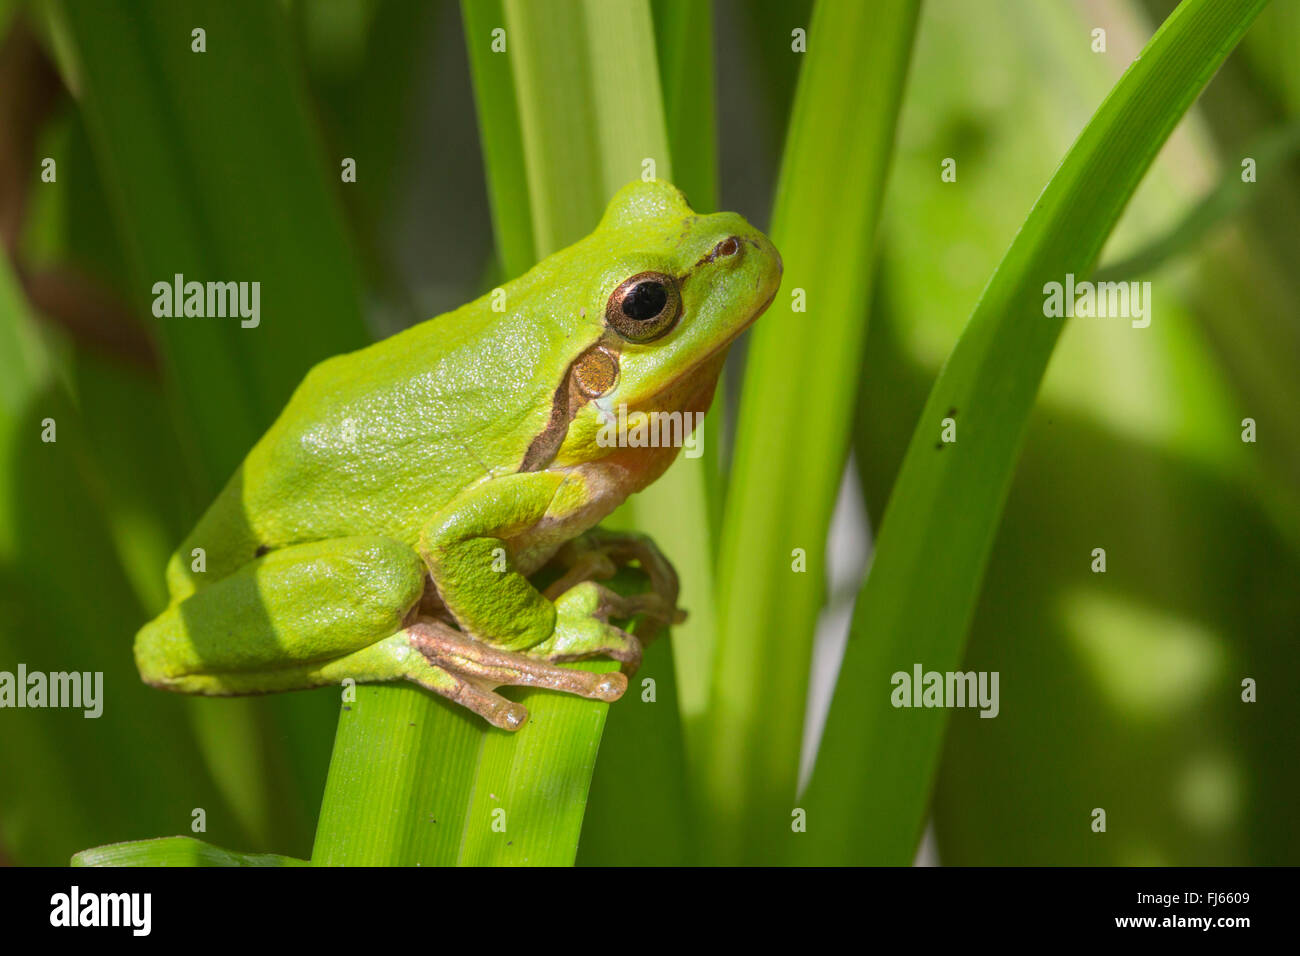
(386, 525)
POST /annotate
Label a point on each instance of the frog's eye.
(644, 307)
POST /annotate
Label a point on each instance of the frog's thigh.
(278, 621)
(464, 543)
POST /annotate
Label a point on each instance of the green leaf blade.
(796, 417)
(177, 851)
(944, 511)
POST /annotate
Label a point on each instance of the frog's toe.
(478, 666)
(583, 630)
(495, 709)
(461, 688)
(599, 640)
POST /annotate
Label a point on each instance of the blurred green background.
(1119, 690)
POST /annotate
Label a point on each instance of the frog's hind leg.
(320, 613)
(443, 660)
(399, 658)
(467, 670)
(281, 620)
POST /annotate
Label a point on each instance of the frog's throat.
(692, 391)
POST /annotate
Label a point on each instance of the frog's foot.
(469, 670)
(582, 628)
(597, 555)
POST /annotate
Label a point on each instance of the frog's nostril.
(727, 247)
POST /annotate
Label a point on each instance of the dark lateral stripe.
(543, 449)
(565, 405)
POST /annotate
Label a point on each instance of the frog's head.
(672, 290)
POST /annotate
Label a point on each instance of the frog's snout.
(769, 279)
(763, 247)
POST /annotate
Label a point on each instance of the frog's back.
(376, 441)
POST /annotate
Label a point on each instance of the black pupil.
(645, 301)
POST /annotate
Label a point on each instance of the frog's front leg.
(469, 548)
(598, 553)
